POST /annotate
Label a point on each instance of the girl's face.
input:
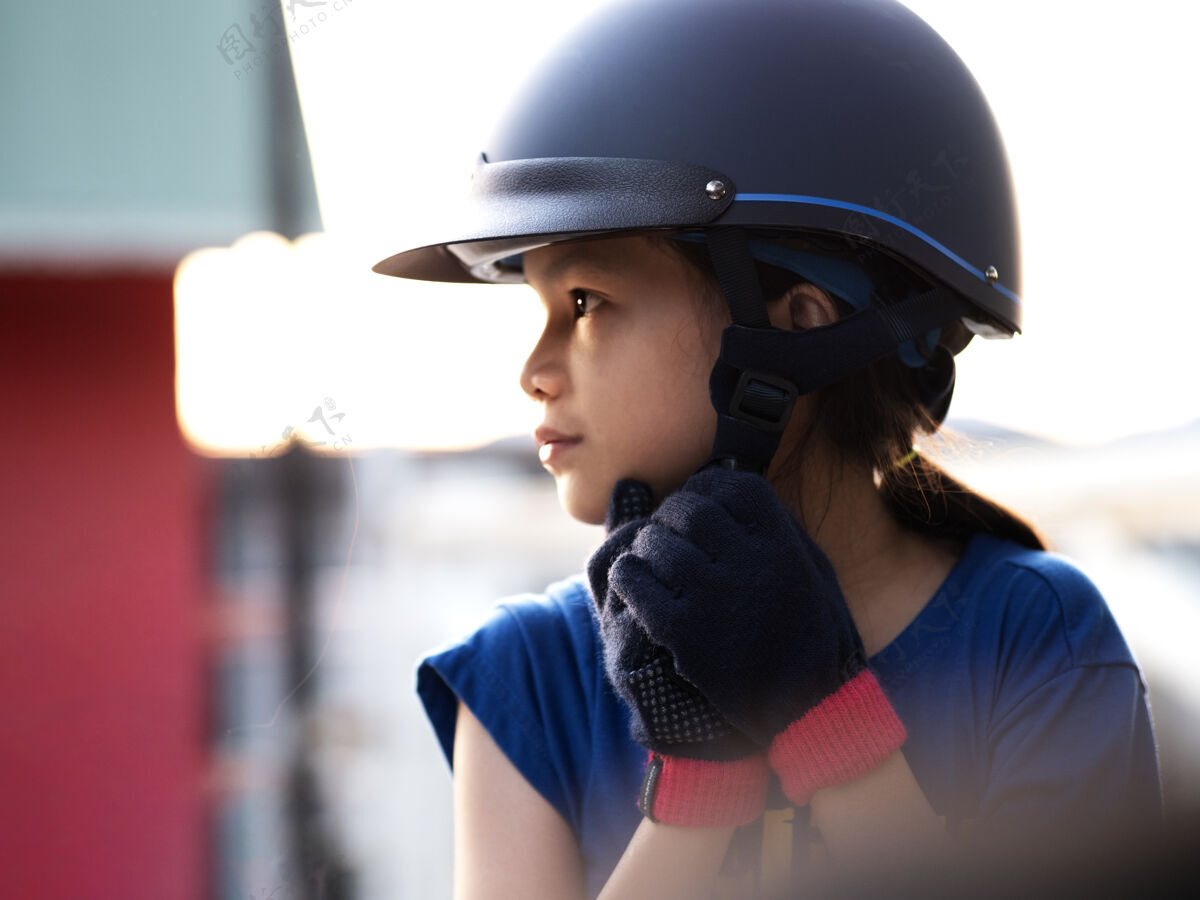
(621, 368)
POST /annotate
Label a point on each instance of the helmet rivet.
(715, 189)
(991, 274)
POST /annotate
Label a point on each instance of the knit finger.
(656, 606)
(748, 500)
(705, 522)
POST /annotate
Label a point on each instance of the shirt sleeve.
(1071, 744)
(1078, 753)
(528, 675)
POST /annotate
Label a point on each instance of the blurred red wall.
(103, 562)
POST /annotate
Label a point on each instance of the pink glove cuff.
(843, 737)
(700, 793)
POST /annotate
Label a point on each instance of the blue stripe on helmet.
(868, 211)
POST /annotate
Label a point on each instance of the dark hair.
(872, 416)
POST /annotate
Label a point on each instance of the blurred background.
(249, 483)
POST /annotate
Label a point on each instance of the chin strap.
(762, 370)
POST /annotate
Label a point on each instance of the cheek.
(682, 450)
(693, 363)
(676, 431)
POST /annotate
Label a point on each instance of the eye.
(585, 302)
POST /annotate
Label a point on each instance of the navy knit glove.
(750, 612)
(667, 714)
(701, 771)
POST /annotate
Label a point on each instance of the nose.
(543, 376)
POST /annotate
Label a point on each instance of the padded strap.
(806, 361)
(729, 249)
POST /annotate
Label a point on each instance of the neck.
(887, 572)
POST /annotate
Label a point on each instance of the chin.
(589, 507)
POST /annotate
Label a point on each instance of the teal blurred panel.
(138, 129)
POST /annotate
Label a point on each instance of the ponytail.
(872, 417)
(923, 497)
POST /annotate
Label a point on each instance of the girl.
(760, 232)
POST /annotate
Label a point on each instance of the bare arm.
(880, 821)
(510, 842)
(669, 861)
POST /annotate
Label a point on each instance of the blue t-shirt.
(1022, 702)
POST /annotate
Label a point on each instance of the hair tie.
(905, 459)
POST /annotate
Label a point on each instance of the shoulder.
(1034, 601)
(1067, 726)
(558, 619)
(530, 663)
(563, 608)
(1040, 635)
(1005, 563)
(1022, 699)
(525, 623)
(1010, 618)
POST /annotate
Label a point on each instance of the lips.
(552, 444)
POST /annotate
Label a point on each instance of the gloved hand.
(668, 715)
(687, 737)
(749, 609)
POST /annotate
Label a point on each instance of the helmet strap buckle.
(764, 400)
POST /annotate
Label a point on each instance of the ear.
(803, 306)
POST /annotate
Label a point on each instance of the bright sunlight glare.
(267, 330)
